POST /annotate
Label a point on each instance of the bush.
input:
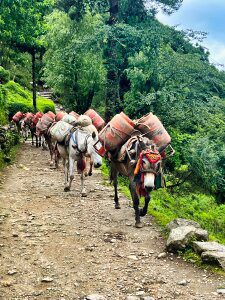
(4, 75)
(19, 99)
(14, 107)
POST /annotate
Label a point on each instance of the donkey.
(23, 129)
(80, 144)
(32, 128)
(141, 171)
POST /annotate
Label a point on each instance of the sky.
(202, 15)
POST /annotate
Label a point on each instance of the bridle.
(153, 158)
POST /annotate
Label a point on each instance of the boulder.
(211, 252)
(217, 257)
(182, 236)
(200, 247)
(181, 222)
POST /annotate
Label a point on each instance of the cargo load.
(69, 119)
(116, 132)
(84, 121)
(97, 121)
(36, 117)
(44, 123)
(73, 113)
(18, 116)
(28, 118)
(51, 114)
(59, 115)
(152, 128)
(60, 130)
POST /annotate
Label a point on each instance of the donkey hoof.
(66, 189)
(138, 225)
(142, 213)
(84, 194)
(85, 174)
(90, 174)
(117, 206)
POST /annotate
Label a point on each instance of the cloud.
(207, 17)
(217, 52)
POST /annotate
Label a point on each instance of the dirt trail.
(57, 245)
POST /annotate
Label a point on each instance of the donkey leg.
(113, 177)
(144, 210)
(71, 171)
(36, 137)
(91, 167)
(85, 170)
(135, 199)
(51, 150)
(57, 156)
(66, 171)
(83, 190)
(32, 138)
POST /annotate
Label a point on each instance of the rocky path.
(56, 245)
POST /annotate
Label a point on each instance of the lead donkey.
(142, 164)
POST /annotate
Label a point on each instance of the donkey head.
(92, 140)
(149, 165)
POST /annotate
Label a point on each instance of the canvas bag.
(60, 130)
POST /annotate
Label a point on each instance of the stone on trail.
(133, 298)
(47, 279)
(217, 257)
(211, 252)
(181, 222)
(200, 247)
(162, 255)
(95, 297)
(221, 291)
(12, 272)
(183, 282)
(181, 236)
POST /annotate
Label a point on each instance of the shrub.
(14, 107)
(19, 99)
(4, 75)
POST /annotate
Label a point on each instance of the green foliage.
(73, 63)
(8, 146)
(17, 99)
(4, 75)
(22, 23)
(196, 206)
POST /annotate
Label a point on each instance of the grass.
(12, 155)
(186, 203)
(194, 205)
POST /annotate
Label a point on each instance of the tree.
(22, 25)
(73, 62)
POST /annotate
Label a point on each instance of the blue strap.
(73, 139)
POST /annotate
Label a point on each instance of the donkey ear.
(93, 135)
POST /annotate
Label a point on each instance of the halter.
(153, 157)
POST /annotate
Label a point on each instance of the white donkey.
(81, 144)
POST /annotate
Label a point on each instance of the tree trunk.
(34, 88)
(112, 89)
